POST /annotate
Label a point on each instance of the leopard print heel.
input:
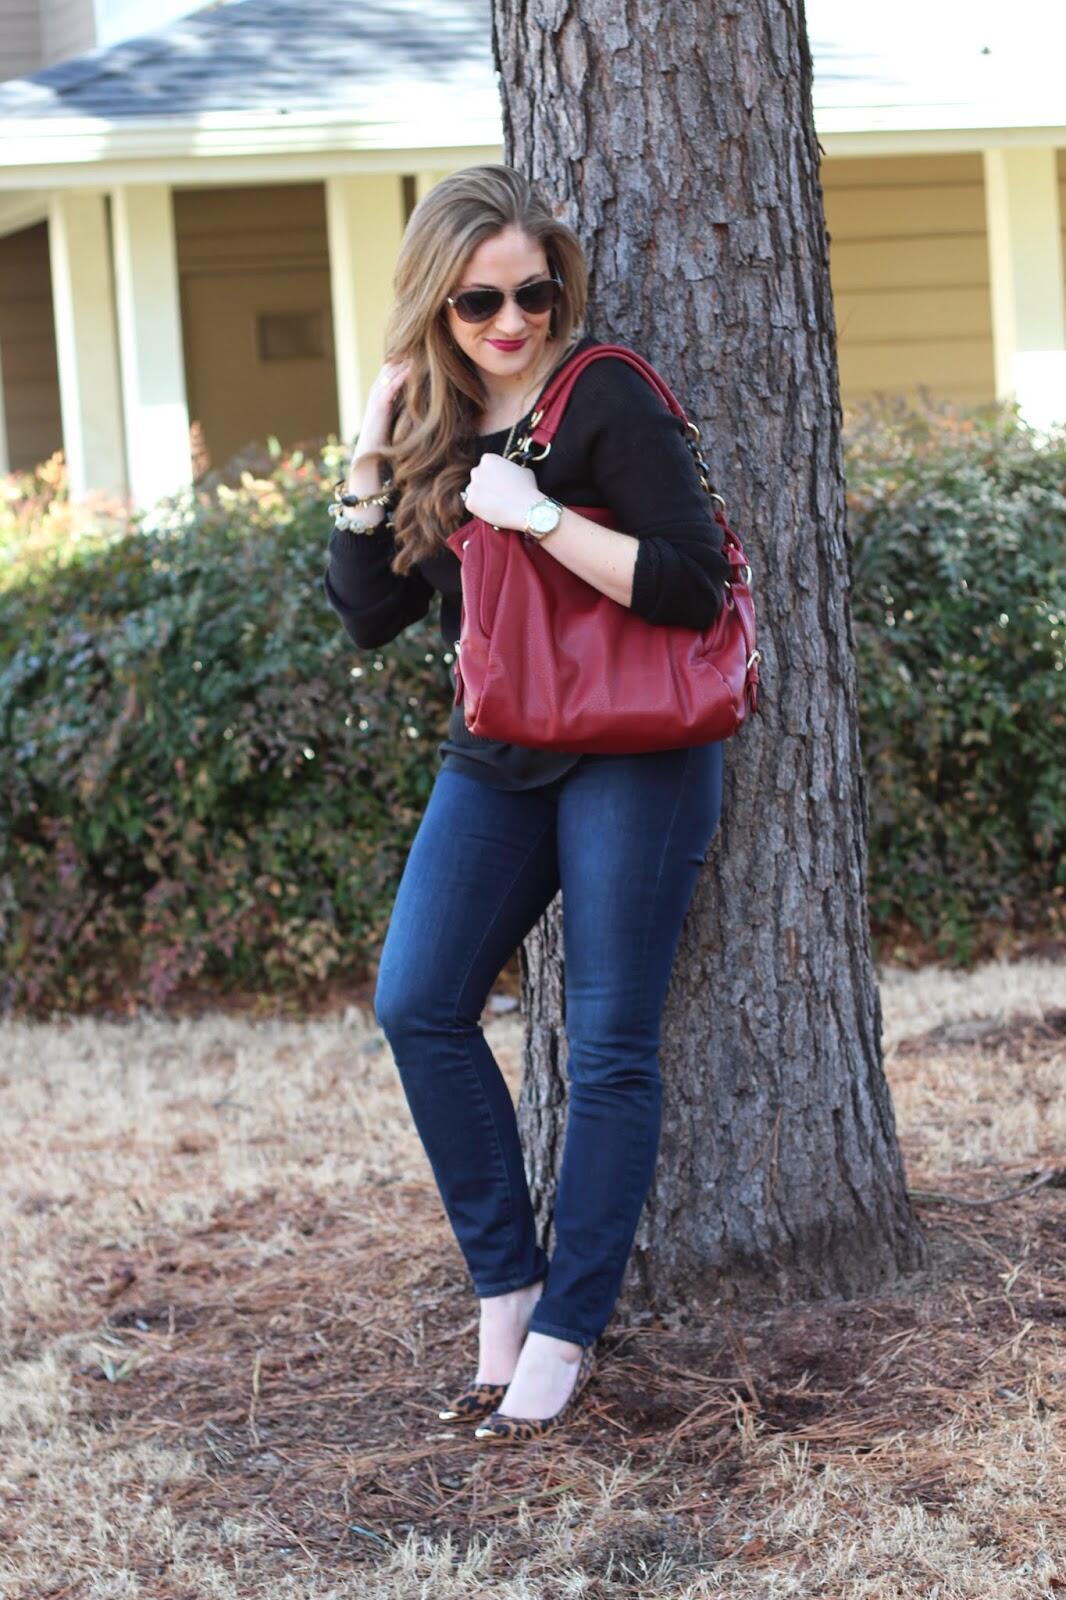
(476, 1402)
(479, 1400)
(517, 1430)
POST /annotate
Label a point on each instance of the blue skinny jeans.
(623, 837)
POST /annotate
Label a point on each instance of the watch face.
(544, 516)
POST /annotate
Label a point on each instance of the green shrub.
(202, 779)
(958, 524)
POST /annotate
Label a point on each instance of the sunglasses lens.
(478, 305)
(538, 297)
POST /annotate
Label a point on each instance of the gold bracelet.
(382, 498)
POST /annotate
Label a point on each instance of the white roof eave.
(93, 150)
(76, 151)
(939, 117)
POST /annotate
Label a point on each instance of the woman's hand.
(501, 492)
(364, 475)
(378, 413)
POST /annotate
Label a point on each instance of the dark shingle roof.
(268, 55)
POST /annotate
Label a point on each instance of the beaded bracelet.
(344, 520)
(342, 505)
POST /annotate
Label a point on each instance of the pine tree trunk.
(679, 141)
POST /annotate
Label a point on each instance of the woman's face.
(511, 344)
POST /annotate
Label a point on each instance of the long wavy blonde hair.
(432, 445)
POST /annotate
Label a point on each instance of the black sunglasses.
(478, 305)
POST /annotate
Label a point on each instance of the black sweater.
(617, 446)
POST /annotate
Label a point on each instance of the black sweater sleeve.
(644, 471)
(373, 602)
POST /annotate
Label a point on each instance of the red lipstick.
(507, 344)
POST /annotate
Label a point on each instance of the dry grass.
(231, 1305)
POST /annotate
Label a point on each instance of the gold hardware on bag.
(702, 467)
(524, 444)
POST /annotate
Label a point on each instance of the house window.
(289, 335)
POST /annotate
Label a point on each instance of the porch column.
(364, 221)
(83, 306)
(158, 456)
(1025, 273)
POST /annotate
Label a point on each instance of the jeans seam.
(659, 877)
(644, 954)
(557, 1330)
(456, 1023)
(644, 957)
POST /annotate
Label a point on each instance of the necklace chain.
(510, 437)
(514, 424)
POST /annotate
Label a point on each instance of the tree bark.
(679, 142)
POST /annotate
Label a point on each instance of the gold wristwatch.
(543, 517)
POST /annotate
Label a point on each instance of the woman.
(490, 294)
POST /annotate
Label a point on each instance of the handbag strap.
(544, 423)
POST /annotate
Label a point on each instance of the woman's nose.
(511, 321)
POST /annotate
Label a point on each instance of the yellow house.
(198, 224)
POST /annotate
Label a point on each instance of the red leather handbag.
(547, 660)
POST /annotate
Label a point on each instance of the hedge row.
(958, 522)
(204, 783)
(202, 780)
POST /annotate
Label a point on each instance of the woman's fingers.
(391, 377)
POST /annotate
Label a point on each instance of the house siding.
(908, 259)
(245, 253)
(27, 339)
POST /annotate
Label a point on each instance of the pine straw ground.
(231, 1307)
